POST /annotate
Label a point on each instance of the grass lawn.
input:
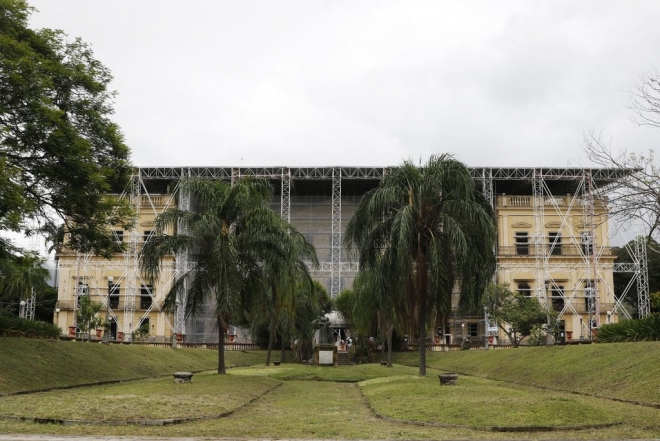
(346, 402)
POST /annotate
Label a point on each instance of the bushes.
(19, 327)
(646, 329)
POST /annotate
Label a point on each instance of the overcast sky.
(367, 82)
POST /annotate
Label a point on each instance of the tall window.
(82, 289)
(522, 243)
(589, 296)
(524, 289)
(145, 296)
(119, 235)
(114, 295)
(554, 240)
(474, 329)
(557, 298)
(587, 243)
(147, 235)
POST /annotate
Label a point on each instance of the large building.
(553, 244)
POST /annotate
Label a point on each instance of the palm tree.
(25, 274)
(284, 253)
(225, 238)
(429, 227)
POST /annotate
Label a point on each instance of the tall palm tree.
(225, 238)
(284, 253)
(429, 227)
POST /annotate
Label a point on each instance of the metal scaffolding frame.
(586, 184)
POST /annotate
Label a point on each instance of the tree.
(311, 303)
(635, 198)
(284, 268)
(622, 279)
(60, 154)
(87, 315)
(21, 275)
(516, 314)
(226, 239)
(429, 227)
(370, 307)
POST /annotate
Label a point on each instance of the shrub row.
(20, 327)
(646, 329)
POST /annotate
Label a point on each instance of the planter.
(448, 379)
(72, 331)
(491, 339)
(98, 332)
(276, 362)
(179, 338)
(569, 335)
(120, 336)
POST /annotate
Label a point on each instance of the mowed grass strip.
(627, 371)
(208, 395)
(480, 403)
(30, 364)
(344, 374)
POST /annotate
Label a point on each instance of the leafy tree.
(516, 315)
(311, 303)
(60, 154)
(284, 267)
(634, 199)
(429, 226)
(87, 315)
(369, 307)
(21, 275)
(621, 280)
(226, 238)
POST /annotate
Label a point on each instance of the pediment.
(553, 225)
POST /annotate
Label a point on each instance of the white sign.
(326, 357)
(493, 329)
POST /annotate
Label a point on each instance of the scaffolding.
(319, 201)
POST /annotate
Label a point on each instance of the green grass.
(28, 365)
(481, 403)
(628, 371)
(159, 398)
(353, 402)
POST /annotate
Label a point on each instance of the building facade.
(553, 244)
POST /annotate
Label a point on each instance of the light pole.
(106, 335)
(549, 338)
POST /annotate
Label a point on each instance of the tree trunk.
(283, 352)
(390, 331)
(222, 330)
(382, 342)
(271, 339)
(421, 323)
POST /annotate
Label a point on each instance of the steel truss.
(589, 183)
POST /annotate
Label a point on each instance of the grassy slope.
(27, 364)
(618, 370)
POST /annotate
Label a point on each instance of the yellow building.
(552, 244)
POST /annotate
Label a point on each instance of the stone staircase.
(342, 359)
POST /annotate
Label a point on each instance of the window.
(119, 235)
(474, 329)
(555, 244)
(524, 289)
(114, 296)
(589, 296)
(147, 235)
(557, 298)
(587, 243)
(82, 289)
(145, 296)
(522, 243)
